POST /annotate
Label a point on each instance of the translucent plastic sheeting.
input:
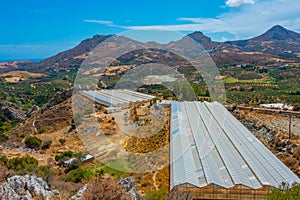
(209, 144)
(116, 97)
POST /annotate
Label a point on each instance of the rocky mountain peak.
(279, 33)
(198, 36)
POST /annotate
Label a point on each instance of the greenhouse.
(214, 156)
(116, 98)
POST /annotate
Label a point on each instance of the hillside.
(266, 67)
(37, 118)
(277, 42)
(68, 60)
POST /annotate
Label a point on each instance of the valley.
(39, 130)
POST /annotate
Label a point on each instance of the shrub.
(62, 141)
(99, 173)
(79, 155)
(286, 192)
(46, 145)
(43, 172)
(3, 159)
(42, 130)
(23, 165)
(33, 142)
(99, 188)
(78, 174)
(64, 156)
(69, 154)
(157, 194)
(3, 137)
(59, 158)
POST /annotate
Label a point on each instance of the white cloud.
(243, 23)
(237, 3)
(108, 23)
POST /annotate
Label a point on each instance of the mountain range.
(276, 43)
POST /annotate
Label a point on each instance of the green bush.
(46, 145)
(33, 142)
(69, 154)
(59, 157)
(42, 130)
(99, 172)
(4, 159)
(62, 141)
(43, 172)
(78, 174)
(157, 194)
(3, 137)
(286, 192)
(23, 165)
(65, 155)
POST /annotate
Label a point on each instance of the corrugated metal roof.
(209, 146)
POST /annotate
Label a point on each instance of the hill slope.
(68, 60)
(276, 42)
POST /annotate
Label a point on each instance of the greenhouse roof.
(208, 145)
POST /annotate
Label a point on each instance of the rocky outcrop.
(129, 187)
(58, 98)
(79, 193)
(26, 188)
(12, 114)
(33, 110)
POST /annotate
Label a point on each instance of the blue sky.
(40, 28)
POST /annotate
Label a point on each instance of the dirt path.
(34, 128)
(154, 180)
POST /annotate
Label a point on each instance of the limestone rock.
(79, 193)
(129, 187)
(12, 114)
(26, 188)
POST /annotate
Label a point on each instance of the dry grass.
(16, 76)
(104, 189)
